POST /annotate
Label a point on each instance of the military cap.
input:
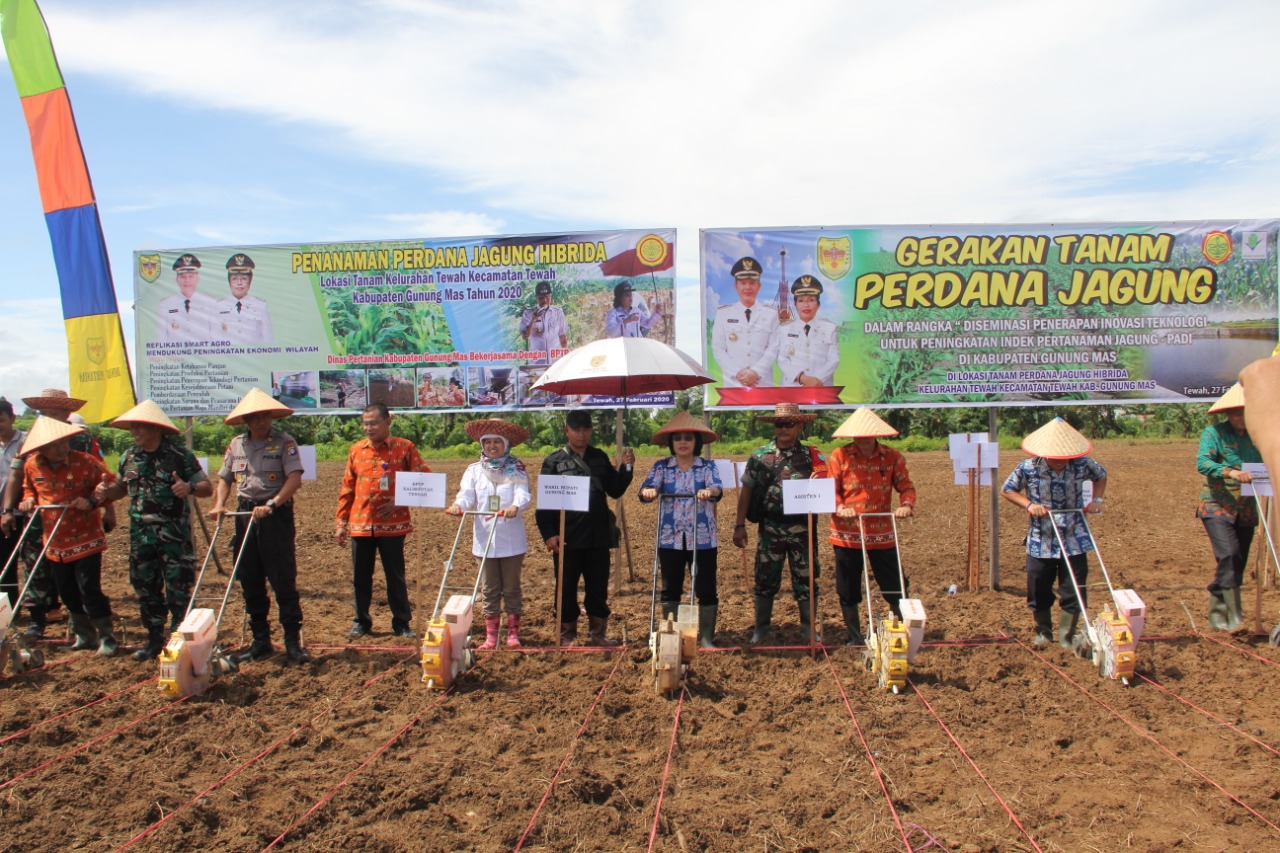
(806, 285)
(186, 262)
(746, 268)
(240, 263)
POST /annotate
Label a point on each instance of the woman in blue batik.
(1053, 479)
(686, 524)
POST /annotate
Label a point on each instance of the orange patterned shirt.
(867, 484)
(81, 533)
(370, 482)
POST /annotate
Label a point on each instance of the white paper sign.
(1261, 485)
(727, 469)
(204, 464)
(567, 493)
(981, 476)
(417, 488)
(809, 496)
(1086, 490)
(307, 455)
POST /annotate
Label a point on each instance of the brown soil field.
(993, 746)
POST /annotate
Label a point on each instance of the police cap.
(746, 268)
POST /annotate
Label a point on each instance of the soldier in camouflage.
(158, 475)
(782, 538)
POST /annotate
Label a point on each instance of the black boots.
(851, 622)
(155, 645)
(294, 651)
(261, 646)
(764, 620)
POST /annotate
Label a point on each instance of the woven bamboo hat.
(254, 402)
(53, 398)
(146, 412)
(1057, 440)
(513, 433)
(683, 422)
(46, 431)
(1233, 399)
(864, 423)
(787, 412)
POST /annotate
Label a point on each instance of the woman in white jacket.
(498, 483)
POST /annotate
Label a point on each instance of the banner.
(454, 324)
(962, 315)
(98, 362)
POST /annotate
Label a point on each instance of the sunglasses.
(784, 424)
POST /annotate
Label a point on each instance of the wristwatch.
(271, 504)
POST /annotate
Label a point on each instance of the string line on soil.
(332, 792)
(1146, 734)
(267, 750)
(1268, 747)
(551, 786)
(666, 770)
(976, 769)
(66, 714)
(1246, 652)
(866, 747)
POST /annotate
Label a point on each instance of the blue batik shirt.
(1055, 490)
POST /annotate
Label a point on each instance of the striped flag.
(99, 363)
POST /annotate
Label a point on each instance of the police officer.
(241, 318)
(188, 314)
(808, 351)
(782, 538)
(744, 337)
(158, 475)
(544, 326)
(264, 465)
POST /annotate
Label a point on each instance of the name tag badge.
(384, 483)
(494, 503)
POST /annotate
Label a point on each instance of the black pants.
(1043, 571)
(592, 566)
(884, 568)
(9, 573)
(672, 563)
(80, 585)
(268, 557)
(1231, 541)
(391, 550)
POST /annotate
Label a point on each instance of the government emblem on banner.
(95, 349)
(149, 268)
(835, 256)
(1216, 247)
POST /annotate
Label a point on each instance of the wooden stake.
(812, 531)
(560, 583)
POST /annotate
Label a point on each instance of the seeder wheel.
(17, 658)
(1274, 639)
(1116, 655)
(177, 670)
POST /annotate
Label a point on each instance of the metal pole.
(993, 432)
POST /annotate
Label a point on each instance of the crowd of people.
(57, 489)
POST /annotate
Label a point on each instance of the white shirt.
(814, 352)
(739, 341)
(183, 319)
(545, 326)
(617, 325)
(243, 321)
(474, 492)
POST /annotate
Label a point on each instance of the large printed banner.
(458, 324)
(959, 315)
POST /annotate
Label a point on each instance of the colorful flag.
(99, 363)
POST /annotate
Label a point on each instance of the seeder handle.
(1057, 532)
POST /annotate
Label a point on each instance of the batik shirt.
(867, 484)
(676, 517)
(1221, 447)
(1055, 490)
(370, 482)
(81, 533)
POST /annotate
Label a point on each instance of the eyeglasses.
(784, 424)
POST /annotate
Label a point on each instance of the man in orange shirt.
(368, 516)
(867, 473)
(54, 474)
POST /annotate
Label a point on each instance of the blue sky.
(242, 123)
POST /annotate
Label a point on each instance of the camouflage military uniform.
(781, 536)
(161, 558)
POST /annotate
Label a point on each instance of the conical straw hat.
(146, 412)
(513, 433)
(1057, 440)
(683, 422)
(864, 423)
(252, 403)
(47, 430)
(1233, 399)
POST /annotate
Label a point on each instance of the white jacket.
(474, 492)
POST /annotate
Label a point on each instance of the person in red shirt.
(367, 515)
(867, 473)
(54, 474)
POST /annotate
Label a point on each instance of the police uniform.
(161, 558)
(743, 337)
(242, 321)
(809, 348)
(185, 318)
(259, 470)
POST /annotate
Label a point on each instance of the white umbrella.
(622, 367)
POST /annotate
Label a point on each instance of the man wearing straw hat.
(263, 464)
(1053, 479)
(1229, 519)
(56, 475)
(158, 475)
(866, 474)
(782, 538)
(369, 518)
(42, 592)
